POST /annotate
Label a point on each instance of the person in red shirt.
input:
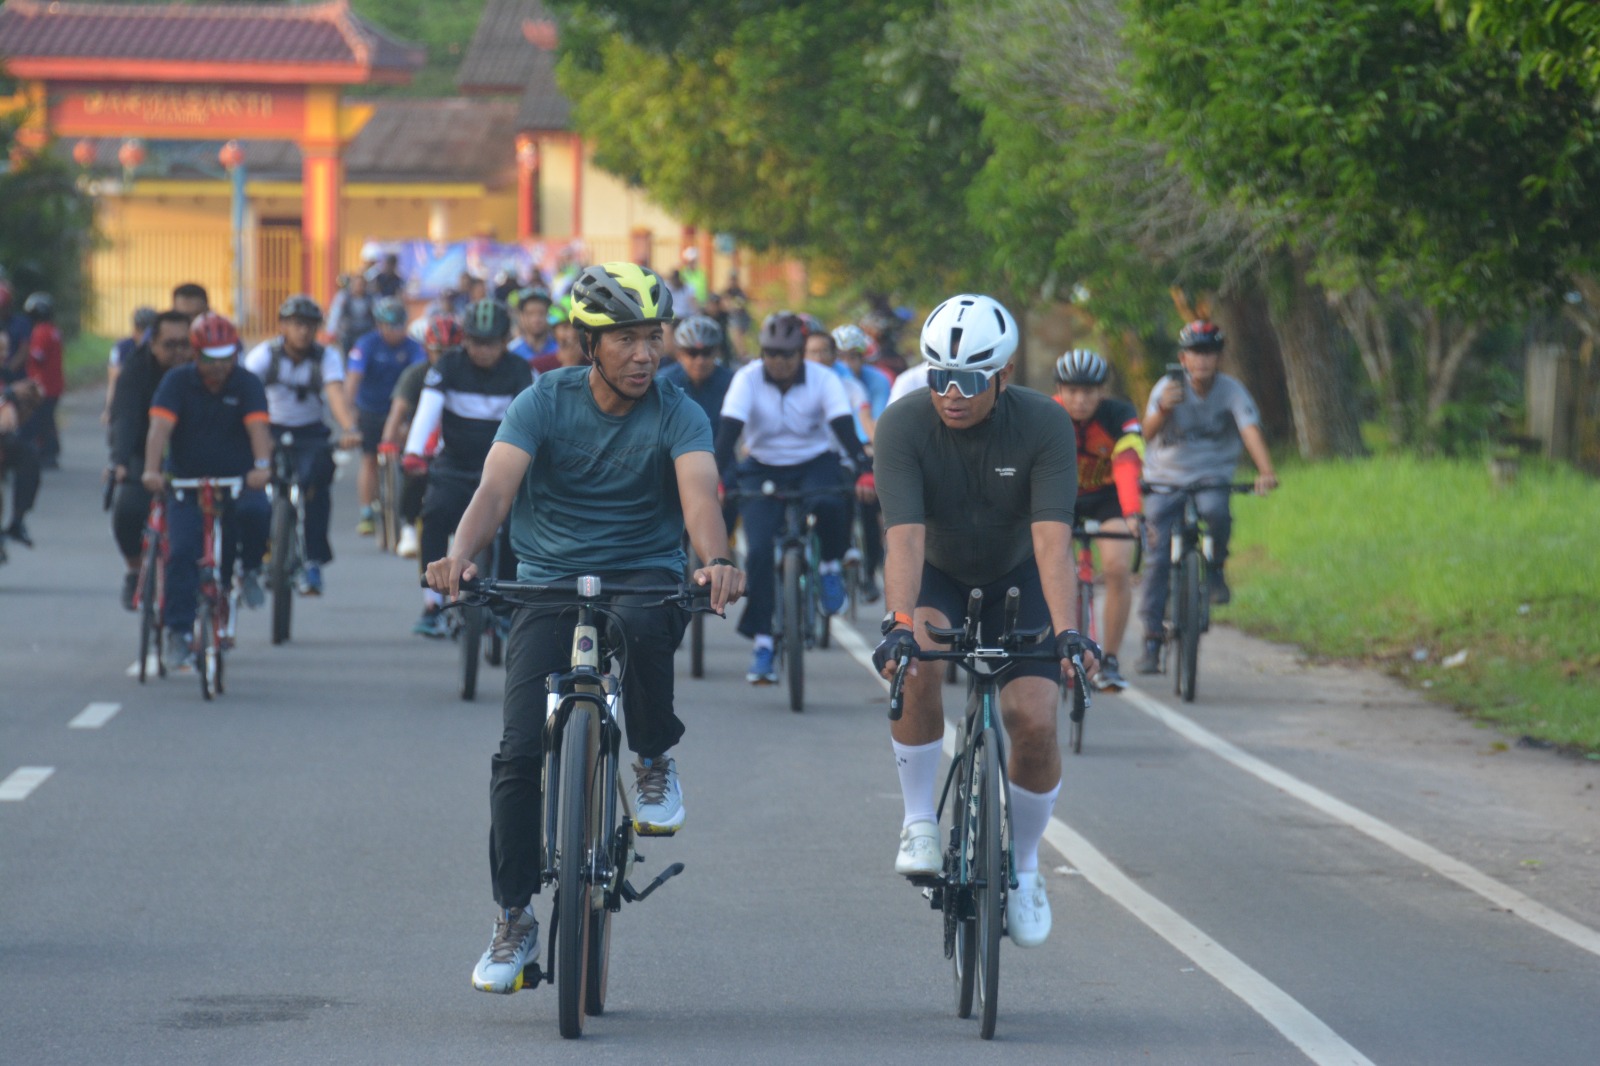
(44, 367)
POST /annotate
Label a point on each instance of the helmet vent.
(955, 342)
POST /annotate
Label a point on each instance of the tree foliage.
(1555, 39)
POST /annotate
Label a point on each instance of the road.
(1307, 864)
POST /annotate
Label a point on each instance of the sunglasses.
(969, 383)
(697, 353)
(772, 353)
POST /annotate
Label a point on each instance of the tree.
(1555, 41)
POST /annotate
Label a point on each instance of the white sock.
(764, 640)
(1030, 814)
(919, 771)
(828, 566)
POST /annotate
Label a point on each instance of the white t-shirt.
(913, 379)
(786, 428)
(290, 401)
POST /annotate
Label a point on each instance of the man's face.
(1200, 366)
(781, 367)
(533, 319)
(298, 334)
(392, 335)
(189, 306)
(213, 372)
(961, 412)
(630, 356)
(1080, 400)
(485, 353)
(819, 349)
(568, 351)
(698, 363)
(171, 345)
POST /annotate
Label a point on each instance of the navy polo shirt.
(380, 366)
(709, 396)
(209, 437)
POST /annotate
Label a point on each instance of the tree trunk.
(1326, 420)
(1366, 318)
(1254, 356)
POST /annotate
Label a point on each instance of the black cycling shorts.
(1098, 506)
(371, 426)
(945, 594)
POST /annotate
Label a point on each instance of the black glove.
(898, 644)
(1073, 643)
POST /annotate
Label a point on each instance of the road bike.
(587, 839)
(1084, 535)
(216, 609)
(150, 592)
(477, 629)
(390, 480)
(287, 539)
(979, 864)
(1188, 592)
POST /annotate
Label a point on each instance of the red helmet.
(443, 332)
(213, 336)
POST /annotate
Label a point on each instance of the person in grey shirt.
(1194, 429)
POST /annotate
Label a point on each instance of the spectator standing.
(386, 280)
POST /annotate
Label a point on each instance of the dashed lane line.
(1315, 1039)
(21, 782)
(94, 716)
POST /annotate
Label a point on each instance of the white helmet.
(969, 333)
(851, 338)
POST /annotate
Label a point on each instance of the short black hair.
(169, 316)
(191, 290)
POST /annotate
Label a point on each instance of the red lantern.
(83, 153)
(231, 155)
(131, 154)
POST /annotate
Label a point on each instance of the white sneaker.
(408, 546)
(919, 850)
(657, 797)
(515, 941)
(1028, 911)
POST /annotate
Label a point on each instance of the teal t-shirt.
(601, 492)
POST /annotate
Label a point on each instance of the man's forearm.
(1052, 551)
(480, 523)
(902, 567)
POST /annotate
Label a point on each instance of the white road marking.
(22, 781)
(94, 716)
(152, 667)
(1299, 1026)
(1501, 895)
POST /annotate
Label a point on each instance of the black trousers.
(541, 645)
(129, 513)
(20, 459)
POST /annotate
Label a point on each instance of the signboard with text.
(200, 112)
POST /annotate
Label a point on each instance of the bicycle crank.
(634, 895)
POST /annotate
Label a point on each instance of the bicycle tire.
(1074, 727)
(149, 614)
(572, 883)
(281, 574)
(966, 938)
(385, 502)
(598, 972)
(472, 624)
(697, 645)
(989, 877)
(794, 632)
(205, 647)
(1189, 651)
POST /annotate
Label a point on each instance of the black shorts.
(945, 594)
(371, 425)
(1099, 506)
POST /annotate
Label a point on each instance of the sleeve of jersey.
(164, 404)
(1054, 486)
(254, 396)
(897, 472)
(332, 365)
(423, 423)
(835, 400)
(737, 403)
(690, 429)
(522, 424)
(1127, 464)
(358, 360)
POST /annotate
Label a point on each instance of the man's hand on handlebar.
(899, 644)
(1073, 643)
(445, 575)
(726, 582)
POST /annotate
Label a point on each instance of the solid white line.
(94, 716)
(23, 781)
(1299, 1026)
(1501, 895)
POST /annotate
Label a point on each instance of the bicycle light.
(589, 586)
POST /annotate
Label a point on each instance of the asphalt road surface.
(1307, 864)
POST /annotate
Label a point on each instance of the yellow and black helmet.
(619, 294)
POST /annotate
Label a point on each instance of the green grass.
(85, 359)
(1380, 559)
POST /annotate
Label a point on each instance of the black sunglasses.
(773, 353)
(698, 353)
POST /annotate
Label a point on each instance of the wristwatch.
(894, 620)
(263, 464)
(720, 562)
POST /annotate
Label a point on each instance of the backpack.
(304, 392)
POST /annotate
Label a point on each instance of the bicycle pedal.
(532, 976)
(646, 830)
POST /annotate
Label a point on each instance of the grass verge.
(84, 359)
(1489, 598)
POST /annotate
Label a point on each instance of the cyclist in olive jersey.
(1110, 457)
(977, 479)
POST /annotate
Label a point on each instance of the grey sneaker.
(516, 940)
(657, 798)
(250, 588)
(180, 655)
(1110, 678)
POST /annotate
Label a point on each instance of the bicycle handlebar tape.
(1013, 604)
(974, 609)
(897, 693)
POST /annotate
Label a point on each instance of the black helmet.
(530, 292)
(1201, 336)
(783, 331)
(39, 305)
(300, 306)
(486, 320)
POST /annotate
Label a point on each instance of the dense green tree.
(1554, 39)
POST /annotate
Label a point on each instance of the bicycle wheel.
(387, 537)
(959, 899)
(281, 573)
(472, 624)
(794, 627)
(599, 968)
(572, 867)
(1193, 587)
(205, 650)
(149, 614)
(697, 645)
(989, 880)
(1086, 626)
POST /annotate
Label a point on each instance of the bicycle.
(979, 864)
(798, 620)
(150, 592)
(697, 625)
(1188, 595)
(288, 541)
(470, 624)
(1083, 535)
(215, 610)
(586, 847)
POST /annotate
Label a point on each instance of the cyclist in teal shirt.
(601, 469)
